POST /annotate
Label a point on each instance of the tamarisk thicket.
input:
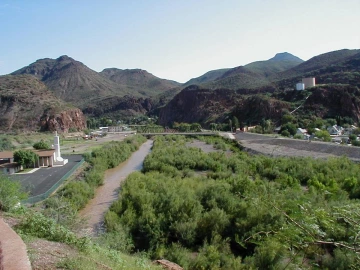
(231, 210)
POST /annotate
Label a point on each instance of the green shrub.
(298, 136)
(323, 135)
(355, 143)
(10, 193)
(352, 137)
(41, 145)
(118, 239)
(38, 225)
(285, 133)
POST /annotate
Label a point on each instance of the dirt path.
(13, 255)
(108, 193)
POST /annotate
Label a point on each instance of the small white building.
(300, 86)
(308, 82)
(104, 129)
(301, 131)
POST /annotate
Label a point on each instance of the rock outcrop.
(26, 104)
(63, 121)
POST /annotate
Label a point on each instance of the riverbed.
(106, 194)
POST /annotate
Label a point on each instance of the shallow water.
(106, 194)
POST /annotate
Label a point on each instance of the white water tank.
(309, 82)
(300, 86)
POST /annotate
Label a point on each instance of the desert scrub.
(243, 211)
(36, 224)
(10, 193)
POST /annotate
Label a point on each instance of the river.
(106, 194)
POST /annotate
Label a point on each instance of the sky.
(173, 39)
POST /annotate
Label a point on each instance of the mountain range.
(117, 93)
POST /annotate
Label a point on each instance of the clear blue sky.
(174, 39)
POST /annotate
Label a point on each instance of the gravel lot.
(269, 145)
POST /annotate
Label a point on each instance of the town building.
(47, 158)
(335, 130)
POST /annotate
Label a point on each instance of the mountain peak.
(64, 58)
(285, 56)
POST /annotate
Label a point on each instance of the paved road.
(43, 179)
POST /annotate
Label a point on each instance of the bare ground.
(46, 255)
(272, 146)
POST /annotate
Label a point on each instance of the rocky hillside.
(74, 82)
(119, 107)
(322, 61)
(204, 106)
(71, 80)
(207, 77)
(27, 104)
(195, 104)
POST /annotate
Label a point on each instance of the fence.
(43, 196)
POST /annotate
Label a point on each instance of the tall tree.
(235, 122)
(26, 158)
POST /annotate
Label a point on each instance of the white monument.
(58, 160)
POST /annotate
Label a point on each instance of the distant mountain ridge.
(71, 80)
(74, 82)
(139, 80)
(252, 75)
(125, 93)
(285, 56)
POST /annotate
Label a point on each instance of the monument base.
(61, 163)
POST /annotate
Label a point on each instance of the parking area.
(42, 180)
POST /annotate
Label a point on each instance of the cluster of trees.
(185, 127)
(95, 123)
(229, 125)
(237, 211)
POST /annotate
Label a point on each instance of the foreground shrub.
(36, 224)
(10, 193)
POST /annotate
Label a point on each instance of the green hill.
(139, 80)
